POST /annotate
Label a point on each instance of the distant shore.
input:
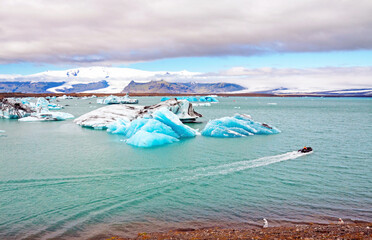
(355, 230)
(16, 94)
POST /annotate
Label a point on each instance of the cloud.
(123, 31)
(307, 79)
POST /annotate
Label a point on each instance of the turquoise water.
(58, 180)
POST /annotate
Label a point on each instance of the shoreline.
(18, 94)
(348, 230)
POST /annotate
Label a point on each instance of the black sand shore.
(355, 230)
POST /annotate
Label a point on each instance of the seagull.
(340, 221)
(266, 224)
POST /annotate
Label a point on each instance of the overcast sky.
(144, 33)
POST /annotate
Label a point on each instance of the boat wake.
(224, 169)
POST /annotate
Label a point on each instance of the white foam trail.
(240, 166)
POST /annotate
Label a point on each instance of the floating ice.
(13, 109)
(238, 126)
(117, 100)
(101, 118)
(127, 100)
(65, 97)
(42, 103)
(47, 116)
(193, 99)
(201, 104)
(171, 120)
(208, 99)
(159, 128)
(164, 99)
(146, 139)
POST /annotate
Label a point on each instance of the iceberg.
(164, 99)
(159, 128)
(102, 117)
(170, 119)
(127, 100)
(146, 139)
(65, 97)
(201, 104)
(117, 100)
(208, 99)
(144, 126)
(47, 116)
(14, 109)
(193, 99)
(240, 125)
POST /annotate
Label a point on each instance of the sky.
(173, 35)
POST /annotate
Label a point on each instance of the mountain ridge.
(115, 80)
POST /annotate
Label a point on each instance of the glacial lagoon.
(59, 180)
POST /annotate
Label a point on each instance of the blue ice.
(207, 99)
(236, 126)
(162, 127)
(163, 99)
(147, 139)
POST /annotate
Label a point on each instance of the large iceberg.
(144, 126)
(159, 128)
(103, 117)
(24, 110)
(13, 109)
(239, 125)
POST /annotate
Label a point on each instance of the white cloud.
(119, 31)
(308, 79)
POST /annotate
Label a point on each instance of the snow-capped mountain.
(328, 81)
(97, 79)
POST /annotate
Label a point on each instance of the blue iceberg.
(208, 99)
(237, 126)
(147, 139)
(159, 128)
(164, 99)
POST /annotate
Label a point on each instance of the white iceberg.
(101, 118)
(117, 100)
(13, 109)
(201, 104)
(47, 116)
(144, 126)
(238, 126)
(65, 97)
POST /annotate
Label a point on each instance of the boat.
(305, 150)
